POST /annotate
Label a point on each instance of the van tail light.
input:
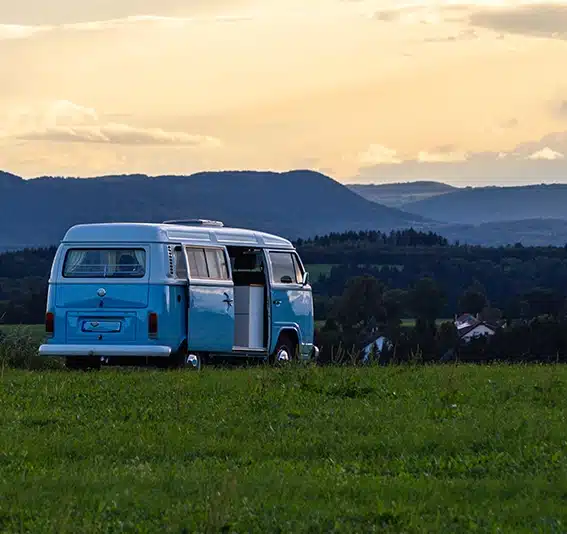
(49, 323)
(152, 324)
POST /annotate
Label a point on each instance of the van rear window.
(105, 263)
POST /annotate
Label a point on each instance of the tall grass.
(19, 349)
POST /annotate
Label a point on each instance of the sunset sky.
(362, 90)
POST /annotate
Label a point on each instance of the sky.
(369, 91)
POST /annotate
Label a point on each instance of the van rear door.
(102, 292)
(211, 300)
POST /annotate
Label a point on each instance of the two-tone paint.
(109, 317)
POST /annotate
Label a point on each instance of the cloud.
(147, 20)
(378, 155)
(17, 31)
(546, 154)
(424, 13)
(410, 15)
(441, 155)
(543, 160)
(463, 35)
(66, 112)
(120, 134)
(531, 18)
(13, 31)
(537, 20)
(64, 121)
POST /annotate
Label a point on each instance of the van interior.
(249, 274)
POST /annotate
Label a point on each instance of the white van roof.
(171, 233)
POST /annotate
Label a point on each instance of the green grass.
(411, 322)
(397, 449)
(317, 269)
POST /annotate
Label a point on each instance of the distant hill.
(8, 179)
(396, 195)
(37, 212)
(494, 204)
(528, 232)
(534, 215)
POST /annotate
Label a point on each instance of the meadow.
(450, 448)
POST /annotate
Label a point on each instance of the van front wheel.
(190, 360)
(193, 362)
(285, 350)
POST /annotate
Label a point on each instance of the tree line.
(371, 282)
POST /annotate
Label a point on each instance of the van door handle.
(228, 300)
(277, 302)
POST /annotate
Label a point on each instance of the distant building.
(469, 327)
(379, 345)
(481, 329)
(466, 319)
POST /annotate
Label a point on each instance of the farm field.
(302, 449)
(317, 269)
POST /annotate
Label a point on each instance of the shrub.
(18, 349)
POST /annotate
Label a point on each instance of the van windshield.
(105, 263)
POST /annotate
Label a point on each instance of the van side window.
(298, 270)
(216, 262)
(283, 268)
(197, 262)
(207, 263)
(180, 268)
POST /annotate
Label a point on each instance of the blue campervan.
(178, 294)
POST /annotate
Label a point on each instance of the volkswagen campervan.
(177, 293)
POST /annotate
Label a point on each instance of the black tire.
(191, 361)
(285, 351)
(82, 364)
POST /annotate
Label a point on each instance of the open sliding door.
(211, 300)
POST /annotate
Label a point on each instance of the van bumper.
(149, 351)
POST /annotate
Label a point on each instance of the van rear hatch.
(114, 296)
(102, 293)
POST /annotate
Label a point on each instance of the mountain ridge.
(398, 194)
(296, 203)
(475, 205)
(36, 212)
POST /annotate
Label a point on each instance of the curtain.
(141, 259)
(74, 260)
(111, 262)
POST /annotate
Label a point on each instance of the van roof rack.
(195, 222)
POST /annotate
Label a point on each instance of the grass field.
(397, 449)
(318, 269)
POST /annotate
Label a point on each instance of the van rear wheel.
(82, 364)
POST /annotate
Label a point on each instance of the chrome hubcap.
(283, 355)
(193, 361)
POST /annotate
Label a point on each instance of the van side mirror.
(286, 279)
(305, 278)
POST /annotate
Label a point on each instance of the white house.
(470, 331)
(379, 345)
